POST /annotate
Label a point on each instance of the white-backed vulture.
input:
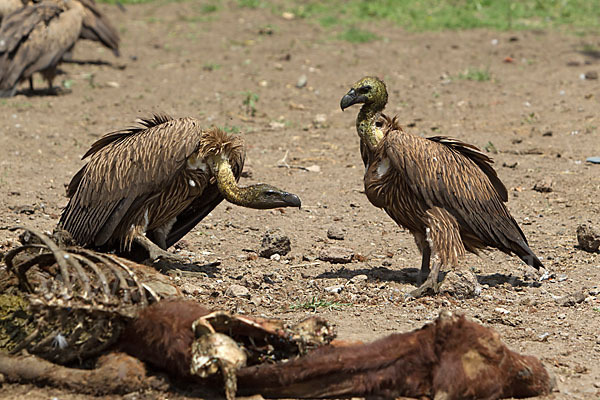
(153, 183)
(444, 191)
(9, 6)
(96, 25)
(34, 39)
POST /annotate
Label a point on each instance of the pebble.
(334, 289)
(336, 255)
(591, 75)
(588, 238)
(237, 291)
(301, 81)
(460, 284)
(544, 186)
(274, 242)
(358, 279)
(501, 310)
(544, 336)
(571, 299)
(336, 232)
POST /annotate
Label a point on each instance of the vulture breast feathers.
(153, 173)
(409, 175)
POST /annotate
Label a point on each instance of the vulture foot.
(431, 284)
(428, 287)
(158, 257)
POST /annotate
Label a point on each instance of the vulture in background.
(34, 39)
(9, 6)
(444, 191)
(96, 25)
(153, 183)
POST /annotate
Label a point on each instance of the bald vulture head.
(263, 196)
(370, 90)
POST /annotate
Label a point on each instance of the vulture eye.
(364, 89)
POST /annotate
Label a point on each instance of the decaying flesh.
(444, 191)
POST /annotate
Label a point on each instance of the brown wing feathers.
(456, 176)
(140, 177)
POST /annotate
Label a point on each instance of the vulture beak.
(351, 98)
(291, 200)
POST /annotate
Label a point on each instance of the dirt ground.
(540, 115)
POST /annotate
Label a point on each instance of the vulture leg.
(155, 253)
(424, 265)
(31, 83)
(443, 244)
(425, 249)
(431, 284)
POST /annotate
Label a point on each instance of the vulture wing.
(457, 177)
(125, 168)
(97, 27)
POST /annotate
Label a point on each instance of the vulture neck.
(366, 127)
(228, 185)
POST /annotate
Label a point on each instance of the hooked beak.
(351, 98)
(291, 200)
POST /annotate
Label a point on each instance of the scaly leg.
(155, 253)
(425, 262)
(431, 284)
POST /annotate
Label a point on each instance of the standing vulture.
(34, 39)
(444, 191)
(96, 25)
(153, 183)
(9, 6)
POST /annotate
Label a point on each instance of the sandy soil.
(538, 112)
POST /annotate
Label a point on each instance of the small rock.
(336, 255)
(544, 336)
(272, 277)
(334, 289)
(301, 81)
(237, 291)
(593, 160)
(591, 75)
(501, 310)
(460, 284)
(313, 168)
(544, 186)
(358, 279)
(320, 121)
(275, 257)
(336, 232)
(588, 238)
(288, 15)
(571, 299)
(274, 242)
(256, 300)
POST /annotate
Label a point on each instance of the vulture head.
(263, 196)
(370, 91)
